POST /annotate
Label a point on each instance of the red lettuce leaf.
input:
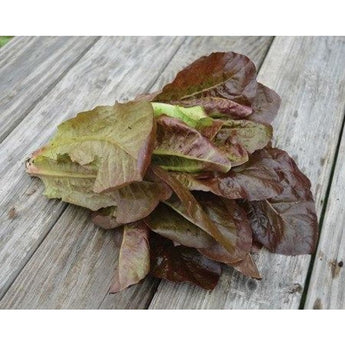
(185, 204)
(182, 148)
(220, 75)
(217, 105)
(168, 223)
(266, 105)
(133, 202)
(225, 85)
(250, 135)
(139, 199)
(182, 264)
(286, 223)
(231, 220)
(105, 218)
(258, 179)
(134, 257)
(239, 138)
(247, 267)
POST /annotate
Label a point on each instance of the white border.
(172, 327)
(172, 17)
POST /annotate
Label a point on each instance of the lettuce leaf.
(194, 116)
(73, 183)
(105, 218)
(258, 179)
(225, 85)
(231, 220)
(218, 106)
(182, 264)
(250, 135)
(187, 206)
(247, 267)
(219, 75)
(68, 181)
(134, 257)
(167, 223)
(286, 223)
(265, 105)
(182, 148)
(117, 139)
(133, 202)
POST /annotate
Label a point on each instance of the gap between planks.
(322, 217)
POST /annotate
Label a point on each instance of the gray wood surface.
(27, 290)
(327, 284)
(309, 74)
(29, 68)
(51, 256)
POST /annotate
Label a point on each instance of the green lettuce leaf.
(69, 181)
(117, 139)
(193, 116)
(217, 107)
(134, 257)
(73, 183)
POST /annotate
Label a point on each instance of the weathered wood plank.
(30, 290)
(326, 288)
(66, 277)
(29, 68)
(107, 72)
(309, 74)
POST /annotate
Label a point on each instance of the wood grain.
(29, 68)
(108, 71)
(326, 288)
(309, 74)
(30, 290)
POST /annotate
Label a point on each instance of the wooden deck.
(52, 256)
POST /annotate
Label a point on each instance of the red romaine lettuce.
(187, 174)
